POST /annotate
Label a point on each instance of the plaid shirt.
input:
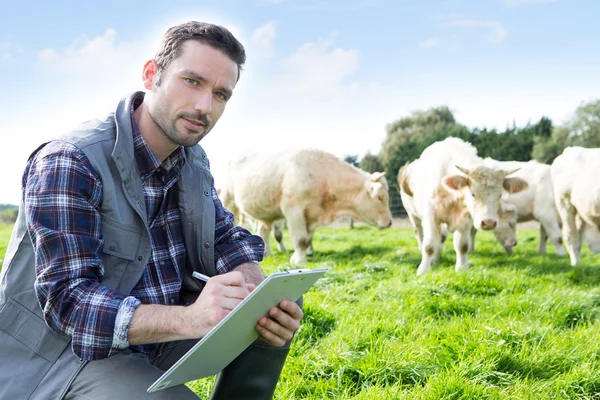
(62, 194)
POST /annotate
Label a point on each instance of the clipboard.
(230, 337)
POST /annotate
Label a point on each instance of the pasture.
(520, 326)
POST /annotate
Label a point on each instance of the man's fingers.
(233, 278)
(272, 333)
(235, 292)
(292, 309)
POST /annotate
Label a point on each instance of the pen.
(200, 276)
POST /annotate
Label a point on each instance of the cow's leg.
(444, 236)
(581, 227)
(430, 250)
(299, 235)
(278, 233)
(462, 241)
(311, 234)
(472, 234)
(543, 239)
(264, 231)
(553, 232)
(417, 225)
(571, 237)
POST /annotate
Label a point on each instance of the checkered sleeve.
(62, 194)
(234, 245)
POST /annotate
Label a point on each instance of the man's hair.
(215, 36)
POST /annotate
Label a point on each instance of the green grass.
(5, 231)
(520, 326)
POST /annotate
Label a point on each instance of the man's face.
(192, 93)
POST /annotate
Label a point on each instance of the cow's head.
(506, 231)
(481, 189)
(373, 203)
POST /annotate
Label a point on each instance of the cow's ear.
(455, 182)
(514, 185)
(373, 188)
(376, 176)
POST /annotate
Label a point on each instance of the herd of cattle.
(448, 189)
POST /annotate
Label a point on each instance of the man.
(114, 218)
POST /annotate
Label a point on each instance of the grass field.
(520, 326)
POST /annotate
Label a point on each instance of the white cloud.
(263, 37)
(429, 43)
(495, 31)
(8, 50)
(522, 2)
(314, 68)
(100, 54)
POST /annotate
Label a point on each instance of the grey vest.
(36, 362)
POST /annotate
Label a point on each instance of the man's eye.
(191, 81)
(221, 96)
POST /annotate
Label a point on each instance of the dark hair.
(213, 35)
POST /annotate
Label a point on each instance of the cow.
(577, 195)
(307, 187)
(449, 185)
(507, 223)
(534, 203)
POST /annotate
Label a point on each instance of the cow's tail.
(403, 184)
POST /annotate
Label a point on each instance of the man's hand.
(281, 324)
(221, 294)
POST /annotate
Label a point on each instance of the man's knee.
(124, 375)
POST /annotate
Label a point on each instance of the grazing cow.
(308, 188)
(534, 203)
(507, 223)
(506, 230)
(592, 237)
(450, 185)
(577, 195)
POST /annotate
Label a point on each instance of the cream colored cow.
(577, 195)
(534, 203)
(308, 188)
(450, 185)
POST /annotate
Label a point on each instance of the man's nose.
(204, 102)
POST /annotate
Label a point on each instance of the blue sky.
(320, 73)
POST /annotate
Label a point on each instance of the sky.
(329, 74)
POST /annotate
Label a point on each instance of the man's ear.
(149, 73)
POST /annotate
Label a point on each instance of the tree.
(408, 137)
(352, 160)
(581, 130)
(371, 163)
(8, 215)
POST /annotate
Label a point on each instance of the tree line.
(407, 137)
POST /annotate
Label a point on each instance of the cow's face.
(481, 189)
(373, 203)
(506, 231)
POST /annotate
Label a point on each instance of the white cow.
(308, 188)
(450, 185)
(249, 223)
(534, 203)
(577, 194)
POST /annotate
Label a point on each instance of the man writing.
(96, 293)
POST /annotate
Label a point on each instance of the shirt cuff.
(122, 322)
